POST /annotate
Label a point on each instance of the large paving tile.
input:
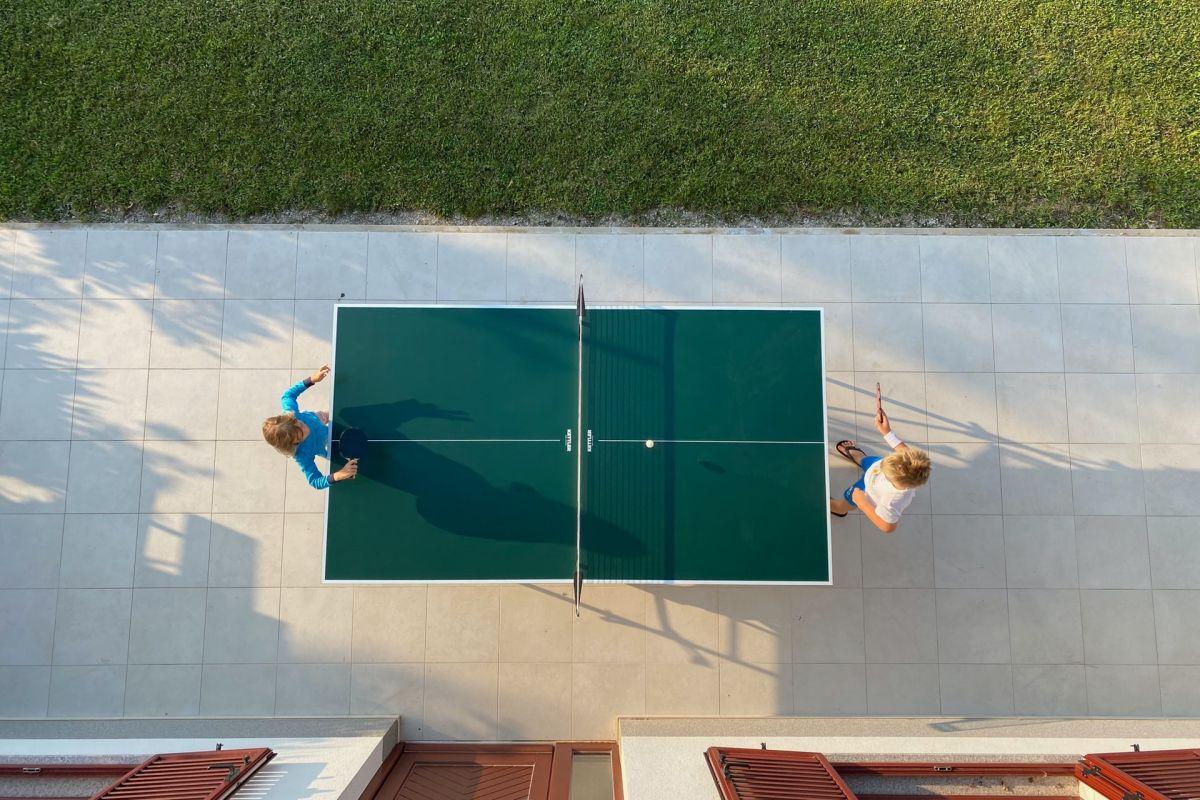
(1036, 478)
(115, 334)
(839, 406)
(888, 337)
(1162, 269)
(847, 552)
(98, 551)
(904, 400)
(402, 266)
(43, 334)
(839, 336)
(755, 624)
(1177, 626)
(191, 264)
(1180, 689)
(257, 334)
(331, 264)
(388, 624)
(534, 701)
(246, 398)
(33, 485)
(167, 627)
(612, 626)
(48, 262)
(104, 477)
(968, 552)
(463, 623)
(886, 269)
(535, 623)
(391, 690)
(972, 626)
(683, 689)
(172, 550)
(977, 689)
(1166, 338)
(187, 334)
(829, 689)
(120, 263)
(1160, 400)
(678, 268)
(829, 626)
(1118, 626)
(110, 404)
(901, 626)
(27, 626)
(1023, 269)
(308, 690)
(245, 550)
(1040, 552)
(472, 267)
(241, 626)
(177, 477)
(32, 546)
(182, 404)
(91, 626)
(903, 689)
(312, 334)
(303, 546)
(1031, 407)
(248, 478)
(902, 559)
(1174, 552)
(87, 691)
(1057, 690)
(315, 625)
(24, 692)
(682, 625)
(261, 264)
(965, 478)
(8, 255)
(460, 701)
(954, 269)
(1028, 337)
(162, 690)
(1097, 338)
(1123, 691)
(1107, 479)
(237, 690)
(299, 497)
(747, 269)
(958, 337)
(816, 268)
(961, 406)
(1166, 468)
(611, 267)
(1091, 269)
(37, 404)
(755, 690)
(1046, 626)
(1113, 553)
(541, 268)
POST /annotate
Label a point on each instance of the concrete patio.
(160, 560)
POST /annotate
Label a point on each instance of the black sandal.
(847, 446)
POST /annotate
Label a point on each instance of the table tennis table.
(650, 445)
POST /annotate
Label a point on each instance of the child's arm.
(288, 400)
(315, 479)
(864, 505)
(884, 426)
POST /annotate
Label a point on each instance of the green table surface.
(468, 476)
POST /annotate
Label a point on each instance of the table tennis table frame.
(571, 307)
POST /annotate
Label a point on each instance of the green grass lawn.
(1059, 112)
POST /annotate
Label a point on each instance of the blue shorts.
(867, 463)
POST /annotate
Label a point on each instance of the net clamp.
(568, 440)
(589, 440)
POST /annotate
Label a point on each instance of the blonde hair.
(283, 433)
(906, 468)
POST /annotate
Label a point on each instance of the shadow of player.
(456, 498)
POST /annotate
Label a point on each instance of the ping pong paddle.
(352, 444)
(878, 404)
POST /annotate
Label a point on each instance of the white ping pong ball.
(649, 443)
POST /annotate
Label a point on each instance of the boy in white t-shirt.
(887, 484)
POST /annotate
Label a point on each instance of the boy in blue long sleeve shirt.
(304, 435)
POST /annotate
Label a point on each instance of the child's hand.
(882, 424)
(323, 416)
(347, 472)
(320, 374)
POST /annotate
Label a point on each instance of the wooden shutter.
(468, 772)
(747, 774)
(1152, 775)
(210, 775)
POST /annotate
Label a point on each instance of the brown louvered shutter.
(468, 772)
(1152, 775)
(746, 774)
(210, 775)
